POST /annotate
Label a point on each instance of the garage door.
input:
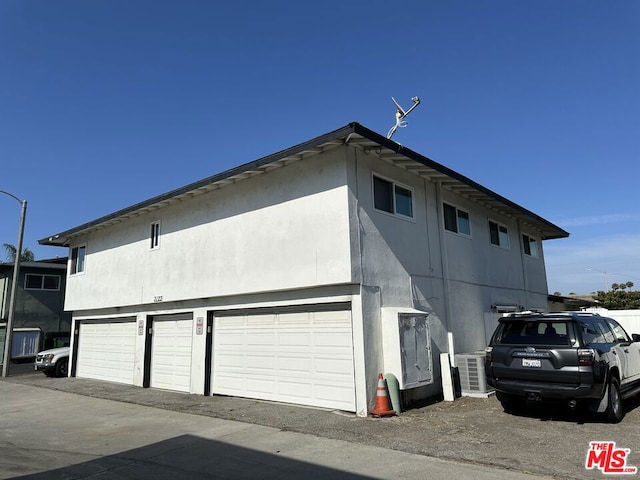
(171, 352)
(304, 358)
(106, 351)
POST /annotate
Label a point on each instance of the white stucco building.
(301, 276)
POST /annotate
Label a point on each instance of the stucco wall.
(415, 263)
(287, 228)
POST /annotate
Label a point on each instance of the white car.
(53, 362)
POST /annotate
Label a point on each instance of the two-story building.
(40, 320)
(301, 276)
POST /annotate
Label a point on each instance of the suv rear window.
(548, 332)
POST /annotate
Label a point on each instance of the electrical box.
(407, 346)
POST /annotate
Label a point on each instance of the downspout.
(525, 283)
(357, 212)
(444, 257)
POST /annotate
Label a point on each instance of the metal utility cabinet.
(407, 346)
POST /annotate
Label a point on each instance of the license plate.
(531, 362)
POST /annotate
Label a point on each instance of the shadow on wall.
(191, 457)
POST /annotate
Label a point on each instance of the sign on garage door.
(106, 351)
(171, 352)
(304, 358)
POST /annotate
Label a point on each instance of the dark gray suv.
(573, 357)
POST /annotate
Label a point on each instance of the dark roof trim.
(340, 135)
(36, 264)
(396, 147)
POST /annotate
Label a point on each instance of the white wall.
(312, 225)
(287, 228)
(404, 258)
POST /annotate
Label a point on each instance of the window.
(41, 282)
(155, 235)
(499, 234)
(456, 220)
(77, 260)
(535, 333)
(592, 332)
(530, 245)
(618, 331)
(392, 198)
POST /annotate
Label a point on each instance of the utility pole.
(14, 286)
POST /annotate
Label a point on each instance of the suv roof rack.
(532, 314)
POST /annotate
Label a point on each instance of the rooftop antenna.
(400, 114)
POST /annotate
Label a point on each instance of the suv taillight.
(586, 356)
(488, 354)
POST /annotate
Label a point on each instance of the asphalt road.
(467, 438)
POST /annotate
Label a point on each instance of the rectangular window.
(530, 245)
(499, 234)
(534, 333)
(77, 260)
(155, 235)
(41, 282)
(456, 220)
(392, 198)
(383, 195)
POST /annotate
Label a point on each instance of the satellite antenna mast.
(400, 114)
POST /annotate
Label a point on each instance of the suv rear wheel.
(615, 411)
(510, 403)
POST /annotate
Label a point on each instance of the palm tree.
(27, 255)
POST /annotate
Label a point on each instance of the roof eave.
(340, 136)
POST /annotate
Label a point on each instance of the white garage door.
(171, 353)
(304, 358)
(106, 351)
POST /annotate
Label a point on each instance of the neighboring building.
(301, 276)
(39, 320)
(570, 303)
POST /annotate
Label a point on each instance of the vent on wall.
(472, 379)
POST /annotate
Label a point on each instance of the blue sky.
(106, 103)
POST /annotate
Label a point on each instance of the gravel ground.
(475, 430)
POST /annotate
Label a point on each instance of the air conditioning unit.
(473, 382)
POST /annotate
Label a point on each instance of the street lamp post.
(14, 286)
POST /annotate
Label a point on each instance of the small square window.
(33, 282)
(499, 234)
(456, 220)
(51, 282)
(530, 245)
(392, 198)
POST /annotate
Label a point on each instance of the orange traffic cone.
(383, 404)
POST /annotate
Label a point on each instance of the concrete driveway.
(471, 434)
(49, 434)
